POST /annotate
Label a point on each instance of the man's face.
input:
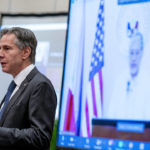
(135, 56)
(10, 55)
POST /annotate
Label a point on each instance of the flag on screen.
(72, 120)
(94, 96)
(69, 124)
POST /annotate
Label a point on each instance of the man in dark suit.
(26, 121)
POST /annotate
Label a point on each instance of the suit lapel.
(15, 97)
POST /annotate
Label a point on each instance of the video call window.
(106, 85)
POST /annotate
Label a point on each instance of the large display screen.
(105, 99)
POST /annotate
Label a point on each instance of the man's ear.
(26, 53)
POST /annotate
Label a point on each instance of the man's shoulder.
(36, 77)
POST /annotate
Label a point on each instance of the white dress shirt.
(21, 76)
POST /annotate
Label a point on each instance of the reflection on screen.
(105, 91)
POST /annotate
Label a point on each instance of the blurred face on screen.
(135, 54)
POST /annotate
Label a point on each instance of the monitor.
(105, 93)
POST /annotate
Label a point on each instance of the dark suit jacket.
(27, 121)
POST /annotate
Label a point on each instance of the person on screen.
(130, 98)
(27, 112)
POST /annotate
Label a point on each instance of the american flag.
(94, 98)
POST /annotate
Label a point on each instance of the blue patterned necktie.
(7, 97)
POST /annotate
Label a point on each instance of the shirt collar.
(23, 74)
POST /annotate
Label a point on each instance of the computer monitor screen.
(106, 81)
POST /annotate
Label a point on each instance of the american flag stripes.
(94, 98)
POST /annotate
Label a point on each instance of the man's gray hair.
(25, 38)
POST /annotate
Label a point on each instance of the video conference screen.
(105, 99)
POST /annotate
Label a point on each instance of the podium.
(109, 129)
